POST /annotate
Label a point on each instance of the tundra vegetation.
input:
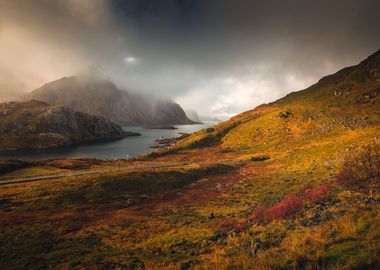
(311, 203)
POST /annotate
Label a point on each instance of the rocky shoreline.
(161, 143)
(38, 125)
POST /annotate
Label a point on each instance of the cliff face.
(102, 97)
(36, 124)
(193, 115)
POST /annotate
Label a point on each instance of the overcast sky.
(217, 57)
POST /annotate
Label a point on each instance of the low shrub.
(318, 193)
(361, 172)
(287, 208)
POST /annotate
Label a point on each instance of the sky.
(217, 57)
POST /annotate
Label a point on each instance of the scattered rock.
(284, 114)
(368, 95)
(342, 91)
(260, 158)
(218, 187)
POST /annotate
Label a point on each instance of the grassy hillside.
(285, 212)
(345, 104)
(307, 135)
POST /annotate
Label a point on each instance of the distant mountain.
(102, 97)
(36, 124)
(193, 115)
(210, 118)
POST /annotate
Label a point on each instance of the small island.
(161, 127)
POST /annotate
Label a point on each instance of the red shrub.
(318, 193)
(233, 225)
(288, 207)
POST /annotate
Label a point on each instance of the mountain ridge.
(102, 97)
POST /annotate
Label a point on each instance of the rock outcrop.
(36, 124)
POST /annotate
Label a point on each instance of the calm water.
(124, 148)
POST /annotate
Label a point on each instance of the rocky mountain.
(100, 96)
(36, 124)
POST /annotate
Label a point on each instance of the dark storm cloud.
(215, 56)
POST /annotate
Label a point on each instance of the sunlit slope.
(342, 108)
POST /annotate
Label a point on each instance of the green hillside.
(342, 108)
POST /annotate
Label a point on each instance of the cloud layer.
(219, 57)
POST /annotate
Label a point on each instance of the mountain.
(99, 96)
(193, 115)
(341, 107)
(210, 118)
(36, 124)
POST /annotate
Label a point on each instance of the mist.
(216, 57)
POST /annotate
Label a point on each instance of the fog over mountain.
(216, 57)
(97, 95)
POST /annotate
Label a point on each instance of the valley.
(270, 188)
(189, 135)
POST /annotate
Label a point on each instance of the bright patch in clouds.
(130, 60)
(226, 97)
